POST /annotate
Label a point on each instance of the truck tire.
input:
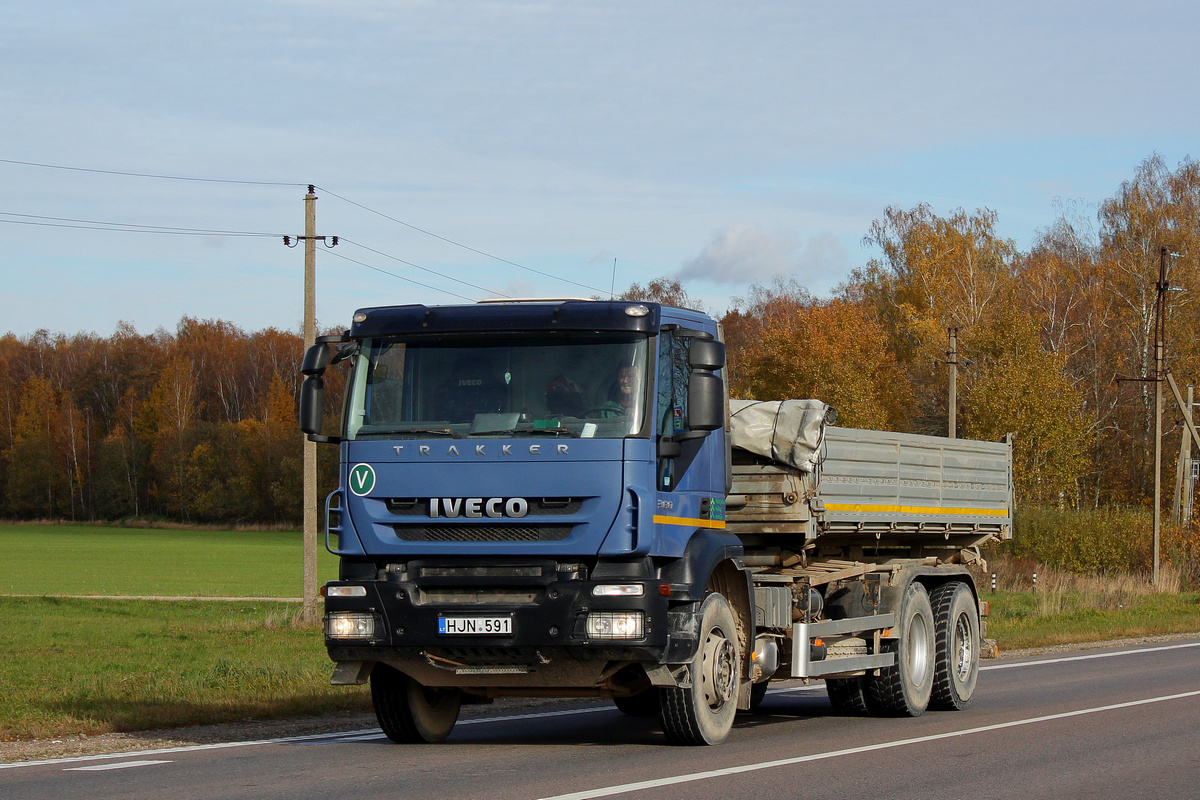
(904, 688)
(410, 713)
(956, 661)
(850, 696)
(703, 713)
(639, 705)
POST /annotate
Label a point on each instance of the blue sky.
(722, 143)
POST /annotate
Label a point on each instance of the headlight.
(615, 625)
(348, 625)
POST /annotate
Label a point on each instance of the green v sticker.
(362, 479)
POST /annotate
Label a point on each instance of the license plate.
(487, 626)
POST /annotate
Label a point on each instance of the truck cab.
(531, 502)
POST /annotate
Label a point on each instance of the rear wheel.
(703, 713)
(410, 713)
(905, 687)
(956, 660)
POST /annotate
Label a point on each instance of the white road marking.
(374, 733)
(627, 788)
(1090, 656)
(122, 765)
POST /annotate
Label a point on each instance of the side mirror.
(316, 359)
(312, 402)
(706, 392)
(706, 402)
(706, 354)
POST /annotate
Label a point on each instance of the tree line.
(1054, 344)
(195, 425)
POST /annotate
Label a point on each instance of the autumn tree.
(935, 273)
(38, 484)
(786, 344)
(1025, 391)
(1158, 208)
(173, 412)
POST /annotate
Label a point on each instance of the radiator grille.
(483, 533)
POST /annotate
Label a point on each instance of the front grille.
(483, 533)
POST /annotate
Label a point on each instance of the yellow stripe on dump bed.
(861, 508)
(693, 523)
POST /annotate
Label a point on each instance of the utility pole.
(952, 362)
(1161, 375)
(310, 611)
(1159, 327)
(1189, 477)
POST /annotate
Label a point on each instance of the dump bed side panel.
(878, 489)
(877, 480)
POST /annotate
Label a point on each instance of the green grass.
(93, 666)
(1038, 619)
(89, 560)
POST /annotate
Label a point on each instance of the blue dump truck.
(557, 498)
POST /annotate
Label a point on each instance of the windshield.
(587, 385)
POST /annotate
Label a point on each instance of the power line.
(460, 244)
(123, 227)
(401, 277)
(424, 269)
(146, 174)
(53, 222)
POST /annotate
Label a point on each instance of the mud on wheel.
(703, 713)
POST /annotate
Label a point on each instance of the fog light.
(618, 590)
(615, 625)
(350, 626)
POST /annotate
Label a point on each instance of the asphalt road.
(1116, 723)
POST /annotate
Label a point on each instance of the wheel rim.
(717, 669)
(917, 650)
(964, 648)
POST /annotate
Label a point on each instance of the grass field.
(92, 666)
(89, 560)
(86, 665)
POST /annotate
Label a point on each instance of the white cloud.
(742, 254)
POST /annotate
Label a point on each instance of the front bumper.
(547, 605)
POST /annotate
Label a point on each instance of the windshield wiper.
(528, 432)
(431, 431)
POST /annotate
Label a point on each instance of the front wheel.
(410, 713)
(956, 620)
(703, 713)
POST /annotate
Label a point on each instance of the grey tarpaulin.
(789, 431)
